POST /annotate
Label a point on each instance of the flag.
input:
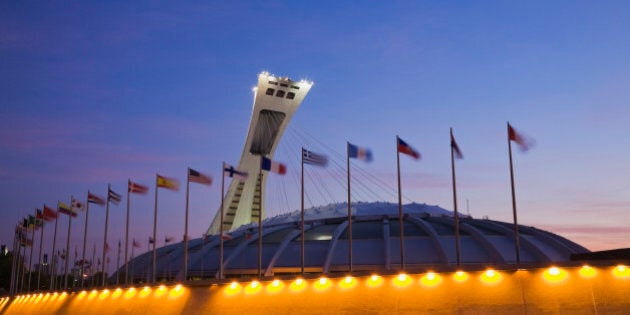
(92, 198)
(168, 239)
(113, 197)
(314, 158)
(455, 148)
(168, 183)
(405, 148)
(359, 153)
(200, 178)
(523, 142)
(232, 172)
(272, 166)
(65, 209)
(39, 218)
(136, 244)
(49, 214)
(107, 247)
(151, 241)
(136, 188)
(77, 205)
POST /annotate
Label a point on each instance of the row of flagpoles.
(311, 158)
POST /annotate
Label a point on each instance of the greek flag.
(314, 158)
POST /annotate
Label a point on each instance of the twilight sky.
(93, 93)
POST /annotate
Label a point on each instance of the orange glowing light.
(117, 293)
(555, 275)
(253, 288)
(621, 272)
(430, 279)
(491, 276)
(588, 271)
(322, 284)
(275, 286)
(92, 295)
(374, 281)
(298, 285)
(104, 294)
(82, 295)
(160, 291)
(176, 291)
(145, 292)
(460, 276)
(348, 283)
(131, 292)
(39, 298)
(402, 280)
(233, 289)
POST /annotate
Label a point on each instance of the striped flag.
(136, 188)
(168, 183)
(356, 152)
(232, 172)
(113, 197)
(197, 177)
(65, 209)
(272, 166)
(136, 244)
(405, 148)
(314, 158)
(92, 198)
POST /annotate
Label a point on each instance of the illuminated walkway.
(585, 290)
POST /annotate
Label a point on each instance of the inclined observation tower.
(275, 101)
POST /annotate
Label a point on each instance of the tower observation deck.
(275, 101)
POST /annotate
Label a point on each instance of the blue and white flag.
(314, 158)
(359, 153)
(230, 171)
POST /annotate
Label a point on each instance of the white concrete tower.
(275, 102)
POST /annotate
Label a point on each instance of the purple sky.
(94, 93)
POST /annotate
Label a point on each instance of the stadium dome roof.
(429, 244)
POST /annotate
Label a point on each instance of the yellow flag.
(168, 183)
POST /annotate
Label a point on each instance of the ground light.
(104, 294)
(431, 279)
(298, 285)
(233, 289)
(131, 292)
(374, 281)
(176, 291)
(587, 272)
(621, 272)
(555, 275)
(161, 290)
(321, 284)
(145, 292)
(92, 295)
(460, 276)
(275, 286)
(117, 293)
(253, 288)
(402, 280)
(491, 276)
(348, 282)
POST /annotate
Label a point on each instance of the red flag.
(92, 198)
(403, 147)
(49, 214)
(136, 188)
(524, 143)
(198, 177)
(167, 182)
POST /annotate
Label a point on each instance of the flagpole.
(39, 257)
(148, 266)
(221, 225)
(13, 263)
(186, 228)
(401, 236)
(132, 264)
(260, 229)
(516, 235)
(155, 209)
(109, 187)
(52, 260)
(349, 209)
(456, 214)
(30, 258)
(65, 274)
(23, 259)
(93, 262)
(118, 262)
(87, 213)
(302, 215)
(127, 233)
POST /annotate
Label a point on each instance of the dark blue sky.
(97, 92)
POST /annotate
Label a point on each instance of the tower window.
(284, 84)
(295, 87)
(270, 91)
(273, 82)
(280, 93)
(290, 95)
